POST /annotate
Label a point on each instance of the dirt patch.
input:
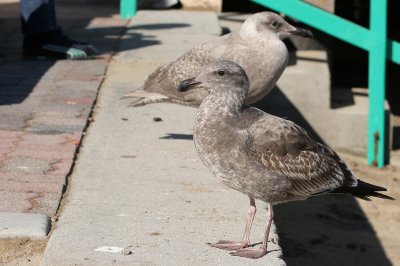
(21, 251)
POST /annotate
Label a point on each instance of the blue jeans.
(37, 16)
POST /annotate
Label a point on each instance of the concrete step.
(31, 225)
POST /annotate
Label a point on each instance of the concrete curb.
(29, 225)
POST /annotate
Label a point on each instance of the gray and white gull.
(258, 47)
(263, 156)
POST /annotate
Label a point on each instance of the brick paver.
(45, 106)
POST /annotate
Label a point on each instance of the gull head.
(271, 25)
(219, 77)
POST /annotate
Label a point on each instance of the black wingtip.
(380, 195)
(364, 191)
(373, 194)
(367, 186)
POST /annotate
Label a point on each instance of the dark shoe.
(56, 44)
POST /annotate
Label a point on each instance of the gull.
(258, 47)
(263, 156)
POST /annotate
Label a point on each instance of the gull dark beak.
(187, 85)
(301, 32)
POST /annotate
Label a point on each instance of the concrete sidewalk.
(138, 184)
(139, 195)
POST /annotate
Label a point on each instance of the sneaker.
(56, 44)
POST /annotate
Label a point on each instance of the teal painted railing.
(374, 40)
(128, 8)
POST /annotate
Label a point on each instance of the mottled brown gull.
(258, 47)
(261, 155)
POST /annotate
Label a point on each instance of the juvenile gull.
(258, 47)
(261, 155)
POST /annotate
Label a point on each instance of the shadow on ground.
(19, 75)
(328, 230)
(325, 230)
(178, 136)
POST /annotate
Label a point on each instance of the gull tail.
(363, 190)
(142, 97)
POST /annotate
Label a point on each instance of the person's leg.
(42, 35)
(37, 16)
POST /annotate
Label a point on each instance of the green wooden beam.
(127, 8)
(376, 82)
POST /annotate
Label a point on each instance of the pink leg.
(232, 245)
(261, 251)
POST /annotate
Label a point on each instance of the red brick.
(7, 134)
(45, 139)
(27, 165)
(73, 75)
(26, 177)
(61, 168)
(7, 142)
(107, 22)
(34, 187)
(46, 203)
(48, 146)
(41, 154)
(65, 146)
(75, 101)
(6, 147)
(15, 202)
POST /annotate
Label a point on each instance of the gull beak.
(187, 85)
(301, 32)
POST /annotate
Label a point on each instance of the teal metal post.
(393, 51)
(374, 40)
(128, 8)
(376, 82)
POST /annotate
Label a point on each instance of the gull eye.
(274, 24)
(221, 72)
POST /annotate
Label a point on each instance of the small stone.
(127, 251)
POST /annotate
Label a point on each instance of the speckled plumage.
(258, 48)
(261, 155)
